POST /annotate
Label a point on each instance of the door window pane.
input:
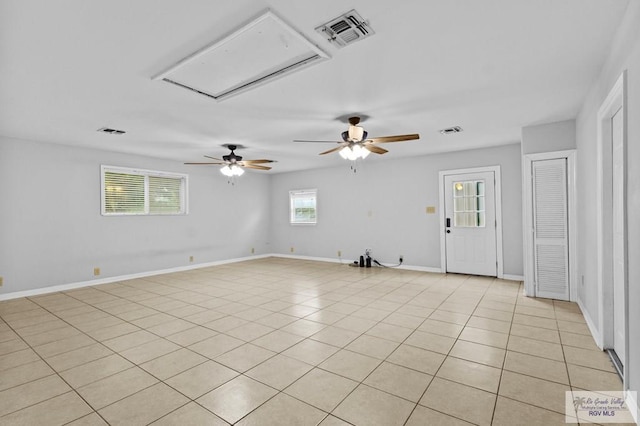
(468, 204)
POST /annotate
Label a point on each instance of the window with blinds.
(303, 208)
(142, 192)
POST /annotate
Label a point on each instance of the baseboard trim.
(591, 325)
(342, 261)
(512, 277)
(109, 280)
(632, 404)
(420, 269)
(314, 258)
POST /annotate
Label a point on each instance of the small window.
(303, 206)
(142, 192)
(468, 204)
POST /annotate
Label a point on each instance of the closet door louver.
(551, 263)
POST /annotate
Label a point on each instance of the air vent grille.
(340, 26)
(346, 29)
(450, 130)
(111, 131)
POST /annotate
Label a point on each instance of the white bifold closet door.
(551, 254)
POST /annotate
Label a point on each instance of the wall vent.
(450, 130)
(254, 54)
(111, 131)
(346, 29)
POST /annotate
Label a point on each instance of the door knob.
(448, 231)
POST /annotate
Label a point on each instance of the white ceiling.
(70, 67)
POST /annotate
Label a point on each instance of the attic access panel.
(261, 51)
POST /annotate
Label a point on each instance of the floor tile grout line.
(440, 366)
(368, 288)
(56, 373)
(504, 360)
(318, 366)
(72, 387)
(282, 391)
(363, 380)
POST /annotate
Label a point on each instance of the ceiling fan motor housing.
(232, 157)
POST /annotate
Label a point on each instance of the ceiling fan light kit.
(232, 170)
(354, 152)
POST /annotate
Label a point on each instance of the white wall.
(625, 54)
(383, 207)
(549, 137)
(52, 232)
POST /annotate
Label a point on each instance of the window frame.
(296, 193)
(465, 196)
(184, 190)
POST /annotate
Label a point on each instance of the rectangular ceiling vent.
(111, 131)
(346, 29)
(450, 130)
(261, 51)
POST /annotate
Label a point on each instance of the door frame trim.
(527, 212)
(615, 99)
(498, 211)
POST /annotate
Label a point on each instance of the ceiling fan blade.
(258, 161)
(339, 147)
(298, 140)
(374, 149)
(254, 166)
(397, 138)
(214, 158)
(204, 164)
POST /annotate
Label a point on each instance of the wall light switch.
(431, 210)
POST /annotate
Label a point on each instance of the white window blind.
(142, 192)
(303, 206)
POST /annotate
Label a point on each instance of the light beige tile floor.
(283, 341)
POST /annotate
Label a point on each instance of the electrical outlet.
(291, 249)
(1, 281)
(96, 271)
(339, 253)
(190, 258)
(253, 250)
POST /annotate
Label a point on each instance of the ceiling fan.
(356, 143)
(234, 164)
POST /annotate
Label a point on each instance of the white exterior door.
(550, 229)
(618, 235)
(470, 223)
